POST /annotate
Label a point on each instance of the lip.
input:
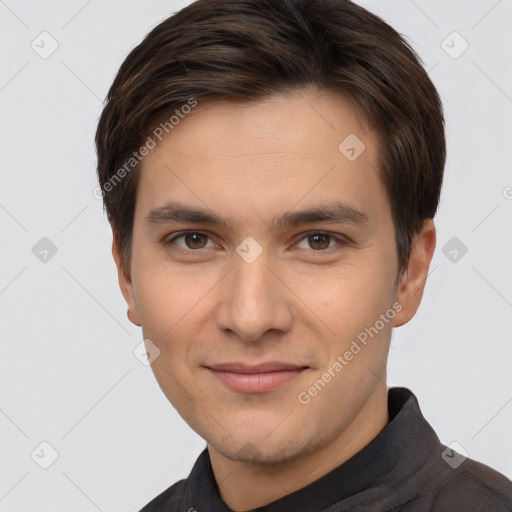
(260, 378)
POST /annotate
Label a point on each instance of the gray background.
(67, 372)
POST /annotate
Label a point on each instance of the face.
(291, 262)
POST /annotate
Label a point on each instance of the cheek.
(165, 301)
(349, 299)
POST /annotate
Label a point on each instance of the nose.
(253, 300)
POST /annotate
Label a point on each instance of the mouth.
(261, 378)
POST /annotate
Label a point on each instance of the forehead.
(305, 121)
(306, 146)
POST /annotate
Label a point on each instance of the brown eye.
(195, 240)
(192, 241)
(319, 241)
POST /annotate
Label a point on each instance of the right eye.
(194, 240)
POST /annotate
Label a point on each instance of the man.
(270, 170)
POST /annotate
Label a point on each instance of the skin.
(302, 301)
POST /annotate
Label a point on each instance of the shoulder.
(474, 487)
(169, 500)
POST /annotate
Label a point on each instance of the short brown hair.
(216, 50)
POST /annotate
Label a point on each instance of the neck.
(245, 486)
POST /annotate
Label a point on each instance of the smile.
(256, 379)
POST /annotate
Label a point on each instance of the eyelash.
(342, 241)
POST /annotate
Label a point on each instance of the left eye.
(321, 241)
(195, 240)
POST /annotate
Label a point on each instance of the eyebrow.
(335, 212)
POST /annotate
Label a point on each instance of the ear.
(412, 282)
(125, 283)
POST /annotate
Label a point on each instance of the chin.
(264, 452)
